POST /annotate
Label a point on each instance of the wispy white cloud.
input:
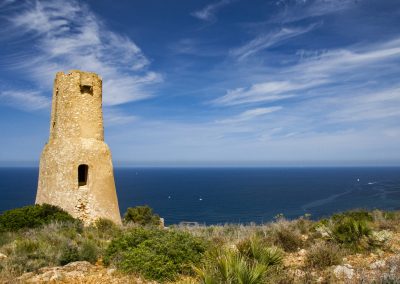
(196, 47)
(26, 100)
(68, 35)
(208, 13)
(251, 114)
(255, 141)
(345, 60)
(357, 65)
(296, 10)
(265, 41)
(5, 3)
(366, 106)
(264, 92)
(114, 116)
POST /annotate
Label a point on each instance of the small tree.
(142, 215)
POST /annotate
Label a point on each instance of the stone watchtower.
(76, 171)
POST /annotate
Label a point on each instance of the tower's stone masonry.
(76, 171)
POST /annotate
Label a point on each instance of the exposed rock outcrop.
(79, 272)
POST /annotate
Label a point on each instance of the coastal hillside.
(44, 244)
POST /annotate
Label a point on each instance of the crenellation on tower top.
(77, 106)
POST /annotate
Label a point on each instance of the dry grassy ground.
(348, 248)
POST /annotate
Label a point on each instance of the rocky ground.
(78, 272)
(376, 267)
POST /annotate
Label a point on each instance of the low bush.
(154, 253)
(106, 228)
(303, 224)
(88, 251)
(26, 254)
(142, 215)
(33, 216)
(352, 232)
(356, 215)
(6, 237)
(386, 220)
(324, 254)
(50, 245)
(284, 235)
(69, 253)
(85, 251)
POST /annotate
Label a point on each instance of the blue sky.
(228, 82)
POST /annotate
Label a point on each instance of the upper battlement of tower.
(77, 106)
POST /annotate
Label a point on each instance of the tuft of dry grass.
(324, 254)
(285, 234)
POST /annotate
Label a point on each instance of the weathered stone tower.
(76, 171)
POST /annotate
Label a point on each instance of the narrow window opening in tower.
(86, 89)
(83, 171)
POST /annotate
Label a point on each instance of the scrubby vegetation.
(324, 254)
(247, 262)
(142, 215)
(156, 253)
(32, 216)
(362, 245)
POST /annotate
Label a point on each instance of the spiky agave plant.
(207, 275)
(246, 272)
(229, 267)
(269, 256)
(219, 268)
(225, 265)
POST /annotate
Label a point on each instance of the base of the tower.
(77, 175)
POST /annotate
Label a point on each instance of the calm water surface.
(219, 195)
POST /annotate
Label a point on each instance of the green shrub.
(69, 253)
(324, 254)
(106, 228)
(391, 215)
(349, 230)
(50, 245)
(283, 235)
(141, 215)
(386, 220)
(88, 251)
(155, 253)
(32, 216)
(303, 224)
(27, 247)
(5, 238)
(357, 215)
(26, 255)
(103, 224)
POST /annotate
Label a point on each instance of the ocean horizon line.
(19, 164)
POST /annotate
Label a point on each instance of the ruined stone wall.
(77, 106)
(76, 138)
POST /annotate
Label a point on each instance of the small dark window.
(83, 171)
(85, 89)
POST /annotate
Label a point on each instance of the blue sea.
(234, 195)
